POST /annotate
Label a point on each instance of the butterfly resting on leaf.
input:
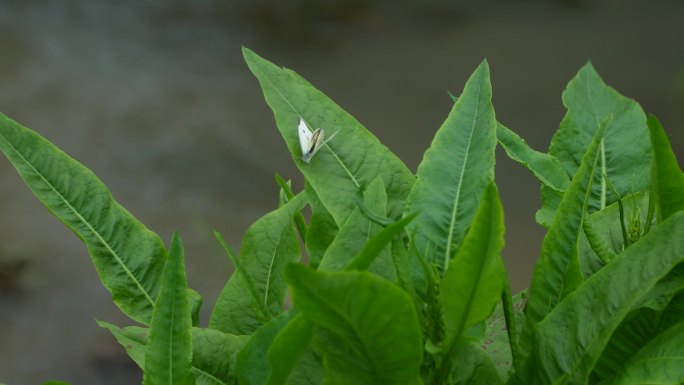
(311, 142)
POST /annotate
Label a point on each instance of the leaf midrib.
(82, 219)
(280, 93)
(452, 223)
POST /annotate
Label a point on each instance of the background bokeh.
(154, 97)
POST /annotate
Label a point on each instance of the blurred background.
(154, 97)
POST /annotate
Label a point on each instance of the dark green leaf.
(128, 257)
(322, 228)
(168, 355)
(372, 320)
(454, 172)
(659, 362)
(569, 341)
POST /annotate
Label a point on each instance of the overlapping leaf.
(347, 163)
(168, 354)
(454, 172)
(128, 257)
(256, 290)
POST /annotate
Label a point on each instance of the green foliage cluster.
(403, 281)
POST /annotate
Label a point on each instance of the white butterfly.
(311, 142)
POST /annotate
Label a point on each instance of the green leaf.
(168, 355)
(255, 292)
(569, 341)
(473, 282)
(659, 362)
(500, 338)
(372, 320)
(54, 383)
(370, 251)
(290, 356)
(473, 366)
(213, 357)
(625, 152)
(544, 166)
(128, 257)
(345, 164)
(132, 338)
(668, 179)
(454, 172)
(604, 229)
(557, 271)
(322, 228)
(355, 234)
(252, 362)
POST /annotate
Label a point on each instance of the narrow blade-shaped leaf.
(256, 291)
(371, 319)
(668, 179)
(347, 163)
(545, 167)
(128, 257)
(473, 282)
(659, 362)
(569, 341)
(625, 149)
(557, 271)
(454, 172)
(168, 355)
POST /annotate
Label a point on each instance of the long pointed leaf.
(349, 161)
(256, 294)
(128, 257)
(554, 274)
(545, 167)
(625, 149)
(168, 355)
(473, 282)
(454, 172)
(668, 179)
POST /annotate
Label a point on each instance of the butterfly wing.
(305, 137)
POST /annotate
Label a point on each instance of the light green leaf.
(473, 282)
(128, 257)
(661, 361)
(372, 321)
(213, 358)
(557, 271)
(545, 167)
(256, 290)
(454, 172)
(668, 179)
(625, 152)
(498, 340)
(345, 164)
(569, 341)
(168, 354)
